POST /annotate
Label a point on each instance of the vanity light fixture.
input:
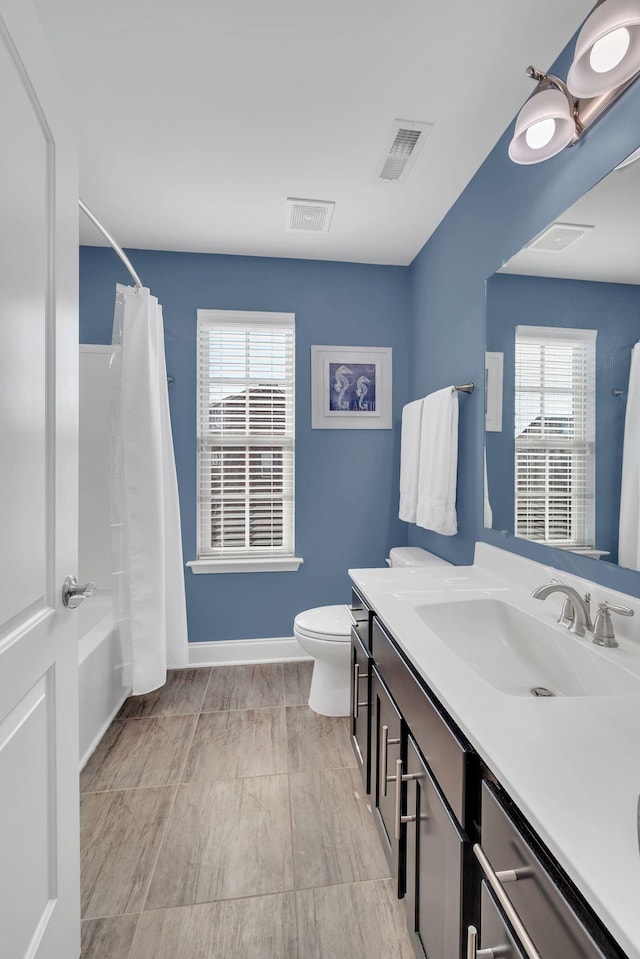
(607, 50)
(606, 61)
(546, 124)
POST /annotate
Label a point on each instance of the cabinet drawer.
(495, 933)
(361, 616)
(449, 758)
(360, 719)
(386, 749)
(544, 909)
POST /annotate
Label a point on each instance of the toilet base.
(330, 693)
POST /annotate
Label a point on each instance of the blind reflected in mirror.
(562, 318)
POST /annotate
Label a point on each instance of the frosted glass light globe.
(608, 51)
(540, 133)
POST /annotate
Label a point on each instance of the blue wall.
(611, 308)
(499, 211)
(346, 480)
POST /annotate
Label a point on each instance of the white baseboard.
(236, 652)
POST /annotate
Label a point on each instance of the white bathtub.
(101, 669)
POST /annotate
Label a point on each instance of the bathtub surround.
(103, 684)
(346, 480)
(101, 671)
(145, 512)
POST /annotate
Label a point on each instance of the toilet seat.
(328, 623)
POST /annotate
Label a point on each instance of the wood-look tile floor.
(223, 819)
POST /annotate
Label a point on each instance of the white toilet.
(325, 631)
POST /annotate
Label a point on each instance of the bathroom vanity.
(501, 838)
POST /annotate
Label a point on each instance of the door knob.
(73, 592)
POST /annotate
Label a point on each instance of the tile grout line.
(206, 689)
(135, 935)
(169, 812)
(293, 857)
(259, 895)
(166, 829)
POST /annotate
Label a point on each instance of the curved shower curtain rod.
(116, 246)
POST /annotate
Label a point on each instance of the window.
(245, 441)
(555, 435)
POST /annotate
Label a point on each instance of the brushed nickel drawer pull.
(384, 759)
(474, 953)
(505, 902)
(400, 778)
(356, 679)
(513, 875)
(356, 690)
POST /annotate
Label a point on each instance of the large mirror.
(563, 316)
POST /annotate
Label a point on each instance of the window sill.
(284, 564)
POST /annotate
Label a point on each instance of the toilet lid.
(325, 622)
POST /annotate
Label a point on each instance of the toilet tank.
(408, 556)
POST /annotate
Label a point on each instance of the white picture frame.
(351, 388)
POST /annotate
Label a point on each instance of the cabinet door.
(435, 851)
(495, 934)
(386, 725)
(361, 706)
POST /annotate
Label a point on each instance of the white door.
(39, 871)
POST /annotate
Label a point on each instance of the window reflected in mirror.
(562, 318)
(555, 435)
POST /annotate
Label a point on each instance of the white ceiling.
(610, 252)
(198, 119)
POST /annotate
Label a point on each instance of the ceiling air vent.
(312, 216)
(557, 237)
(404, 144)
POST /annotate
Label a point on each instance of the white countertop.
(571, 763)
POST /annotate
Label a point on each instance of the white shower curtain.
(629, 540)
(148, 578)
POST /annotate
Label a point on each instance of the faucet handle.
(603, 632)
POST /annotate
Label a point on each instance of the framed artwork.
(351, 388)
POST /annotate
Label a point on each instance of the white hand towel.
(409, 459)
(438, 463)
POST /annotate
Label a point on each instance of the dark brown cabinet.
(386, 738)
(360, 712)
(419, 770)
(436, 853)
(496, 935)
(476, 881)
(530, 891)
(360, 719)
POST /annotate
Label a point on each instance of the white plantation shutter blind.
(245, 434)
(555, 435)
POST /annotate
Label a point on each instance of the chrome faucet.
(576, 614)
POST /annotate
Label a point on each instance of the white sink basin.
(517, 653)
